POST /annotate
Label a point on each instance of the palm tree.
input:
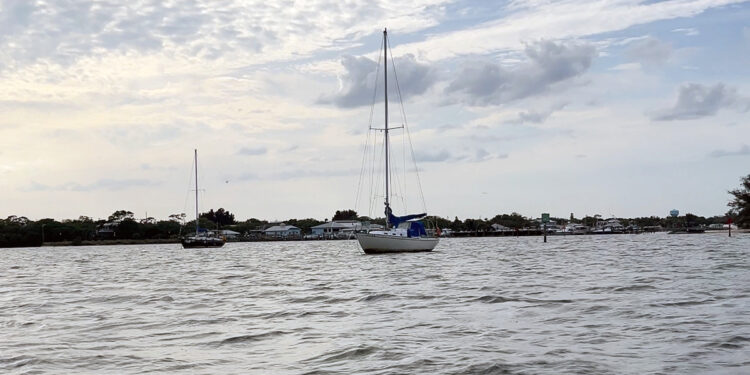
(740, 205)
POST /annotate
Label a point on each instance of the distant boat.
(575, 229)
(611, 226)
(202, 237)
(401, 233)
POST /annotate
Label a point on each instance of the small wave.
(160, 299)
(278, 314)
(203, 290)
(630, 288)
(501, 299)
(683, 303)
(597, 308)
(375, 297)
(345, 354)
(495, 299)
(252, 338)
(18, 361)
(189, 337)
(229, 277)
(489, 369)
(734, 342)
(308, 299)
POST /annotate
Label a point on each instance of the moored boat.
(202, 237)
(402, 233)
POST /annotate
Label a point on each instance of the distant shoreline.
(461, 235)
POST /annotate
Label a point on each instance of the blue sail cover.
(416, 229)
(396, 220)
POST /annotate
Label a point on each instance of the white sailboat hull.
(384, 243)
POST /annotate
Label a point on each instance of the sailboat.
(401, 233)
(202, 237)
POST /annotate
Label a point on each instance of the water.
(626, 304)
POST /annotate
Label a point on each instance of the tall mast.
(385, 80)
(196, 192)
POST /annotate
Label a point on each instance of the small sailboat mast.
(387, 171)
(205, 239)
(197, 227)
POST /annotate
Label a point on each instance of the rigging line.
(378, 176)
(187, 196)
(374, 177)
(377, 78)
(403, 161)
(408, 134)
(394, 175)
(367, 140)
(399, 190)
(361, 170)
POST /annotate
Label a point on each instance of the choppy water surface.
(651, 303)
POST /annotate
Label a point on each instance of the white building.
(229, 234)
(333, 229)
(282, 231)
(499, 228)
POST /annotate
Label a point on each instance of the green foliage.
(345, 215)
(120, 215)
(128, 229)
(513, 221)
(440, 222)
(220, 217)
(19, 233)
(740, 204)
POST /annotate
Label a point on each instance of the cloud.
(543, 19)
(101, 184)
(695, 100)
(143, 135)
(252, 151)
(744, 150)
(359, 79)
(627, 66)
(650, 51)
(689, 31)
(431, 157)
(537, 116)
(294, 174)
(483, 83)
(483, 155)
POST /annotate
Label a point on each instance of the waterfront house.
(283, 231)
(499, 228)
(229, 234)
(107, 230)
(338, 228)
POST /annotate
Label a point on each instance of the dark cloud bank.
(477, 82)
(695, 101)
(359, 80)
(485, 83)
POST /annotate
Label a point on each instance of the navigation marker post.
(730, 226)
(545, 220)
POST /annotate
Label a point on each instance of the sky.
(620, 108)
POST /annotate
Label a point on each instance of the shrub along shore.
(121, 228)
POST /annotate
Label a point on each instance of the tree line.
(19, 231)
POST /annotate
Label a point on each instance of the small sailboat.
(401, 233)
(202, 237)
